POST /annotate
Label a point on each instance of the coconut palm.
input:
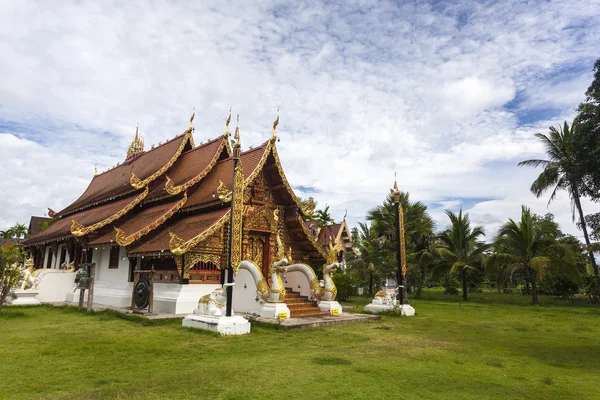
(559, 173)
(529, 248)
(422, 260)
(461, 248)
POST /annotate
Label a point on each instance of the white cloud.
(363, 91)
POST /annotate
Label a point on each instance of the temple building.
(170, 208)
(337, 234)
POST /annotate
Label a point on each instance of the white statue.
(213, 304)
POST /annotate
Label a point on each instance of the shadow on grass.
(331, 361)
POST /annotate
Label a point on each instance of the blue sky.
(445, 94)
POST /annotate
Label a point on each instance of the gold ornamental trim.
(238, 213)
(402, 239)
(79, 230)
(170, 185)
(179, 246)
(306, 209)
(124, 240)
(139, 184)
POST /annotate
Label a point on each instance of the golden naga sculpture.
(329, 291)
(308, 207)
(223, 193)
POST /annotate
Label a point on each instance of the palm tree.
(422, 259)
(323, 217)
(529, 248)
(559, 173)
(460, 246)
(20, 230)
(418, 225)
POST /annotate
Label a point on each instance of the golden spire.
(227, 133)
(237, 145)
(137, 144)
(395, 192)
(275, 123)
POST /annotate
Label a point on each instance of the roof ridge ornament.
(275, 123)
(237, 144)
(192, 118)
(137, 144)
(227, 133)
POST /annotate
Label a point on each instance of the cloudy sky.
(446, 94)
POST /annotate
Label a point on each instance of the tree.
(20, 231)
(421, 261)
(418, 226)
(10, 273)
(587, 141)
(560, 173)
(323, 217)
(461, 248)
(530, 247)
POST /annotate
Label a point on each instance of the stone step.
(294, 301)
(303, 306)
(308, 314)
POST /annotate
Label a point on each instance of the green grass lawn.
(485, 348)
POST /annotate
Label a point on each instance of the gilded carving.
(223, 193)
(238, 211)
(80, 230)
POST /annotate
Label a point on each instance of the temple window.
(113, 260)
(205, 272)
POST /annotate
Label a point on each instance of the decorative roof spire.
(227, 133)
(137, 144)
(395, 192)
(237, 145)
(192, 118)
(95, 169)
(275, 123)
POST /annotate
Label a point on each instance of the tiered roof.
(171, 190)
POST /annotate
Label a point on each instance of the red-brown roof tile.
(62, 228)
(133, 223)
(189, 165)
(186, 228)
(115, 182)
(223, 171)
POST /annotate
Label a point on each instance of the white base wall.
(245, 295)
(179, 299)
(234, 325)
(54, 285)
(111, 293)
(298, 282)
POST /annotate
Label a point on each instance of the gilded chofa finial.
(227, 133)
(275, 123)
(95, 169)
(192, 117)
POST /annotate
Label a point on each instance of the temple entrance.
(258, 252)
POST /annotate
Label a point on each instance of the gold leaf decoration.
(238, 213)
(223, 193)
